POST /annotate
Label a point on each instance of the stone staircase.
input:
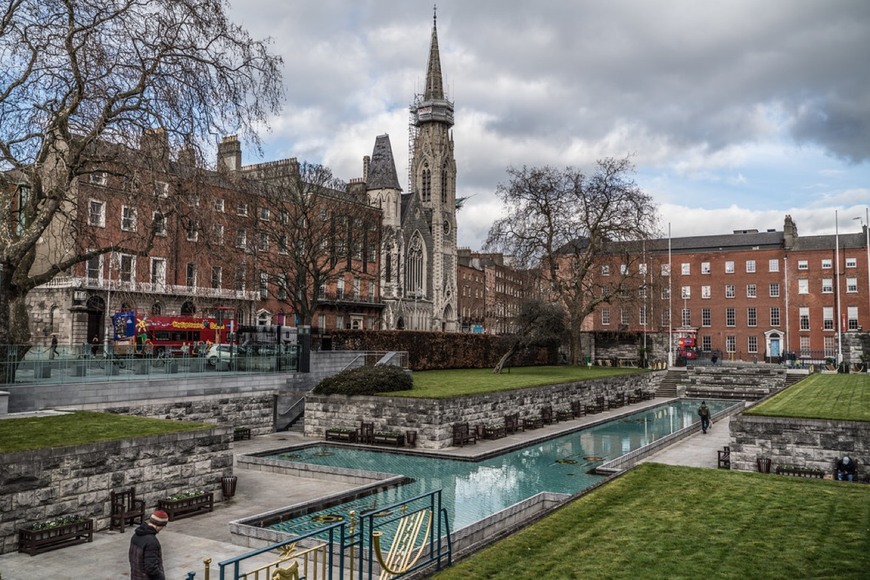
(668, 386)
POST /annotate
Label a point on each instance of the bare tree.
(81, 82)
(538, 323)
(316, 233)
(571, 224)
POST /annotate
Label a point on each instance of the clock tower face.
(446, 227)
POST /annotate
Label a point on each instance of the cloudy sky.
(735, 113)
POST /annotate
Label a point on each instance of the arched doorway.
(188, 308)
(96, 309)
(773, 346)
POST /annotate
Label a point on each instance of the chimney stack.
(229, 154)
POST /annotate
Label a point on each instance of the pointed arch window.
(414, 265)
(444, 183)
(427, 183)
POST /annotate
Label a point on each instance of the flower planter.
(51, 536)
(800, 472)
(494, 432)
(186, 506)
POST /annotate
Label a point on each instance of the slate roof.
(382, 167)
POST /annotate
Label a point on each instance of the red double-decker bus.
(167, 335)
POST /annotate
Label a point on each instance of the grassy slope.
(460, 382)
(24, 434)
(661, 521)
(842, 396)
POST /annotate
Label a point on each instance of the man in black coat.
(146, 557)
(846, 469)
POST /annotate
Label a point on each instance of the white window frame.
(803, 265)
(750, 266)
(851, 285)
(730, 291)
(773, 265)
(851, 262)
(99, 178)
(686, 269)
(100, 221)
(705, 268)
(803, 286)
(158, 218)
(827, 285)
(751, 291)
(128, 218)
(706, 292)
(729, 267)
(827, 263)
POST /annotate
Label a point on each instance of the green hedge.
(441, 350)
(366, 381)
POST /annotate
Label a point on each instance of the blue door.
(774, 346)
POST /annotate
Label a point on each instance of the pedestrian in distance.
(53, 350)
(704, 414)
(846, 469)
(146, 554)
(95, 346)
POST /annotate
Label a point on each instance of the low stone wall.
(40, 396)
(751, 383)
(46, 483)
(255, 411)
(433, 419)
(813, 443)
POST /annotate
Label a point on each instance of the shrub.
(366, 381)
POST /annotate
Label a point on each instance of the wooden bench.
(124, 507)
(547, 417)
(240, 433)
(394, 439)
(366, 433)
(595, 407)
(578, 409)
(348, 435)
(462, 434)
(512, 423)
(724, 459)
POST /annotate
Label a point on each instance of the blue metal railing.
(341, 541)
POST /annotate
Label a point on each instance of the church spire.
(434, 83)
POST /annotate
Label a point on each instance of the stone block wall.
(813, 443)
(255, 410)
(46, 483)
(751, 382)
(433, 419)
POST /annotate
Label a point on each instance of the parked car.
(218, 352)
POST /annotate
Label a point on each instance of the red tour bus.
(167, 335)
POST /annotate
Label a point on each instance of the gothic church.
(418, 254)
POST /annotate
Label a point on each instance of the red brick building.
(749, 296)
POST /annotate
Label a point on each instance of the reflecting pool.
(474, 490)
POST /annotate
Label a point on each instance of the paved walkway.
(187, 542)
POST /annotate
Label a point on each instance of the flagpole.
(670, 304)
(837, 278)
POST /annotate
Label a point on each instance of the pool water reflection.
(472, 491)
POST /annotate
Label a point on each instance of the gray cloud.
(690, 88)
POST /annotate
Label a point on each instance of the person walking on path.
(53, 351)
(146, 555)
(704, 414)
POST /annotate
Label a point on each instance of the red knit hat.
(159, 518)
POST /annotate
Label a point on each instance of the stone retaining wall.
(433, 419)
(752, 382)
(46, 483)
(813, 443)
(254, 411)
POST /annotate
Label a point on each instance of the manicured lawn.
(661, 521)
(459, 382)
(23, 434)
(841, 396)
